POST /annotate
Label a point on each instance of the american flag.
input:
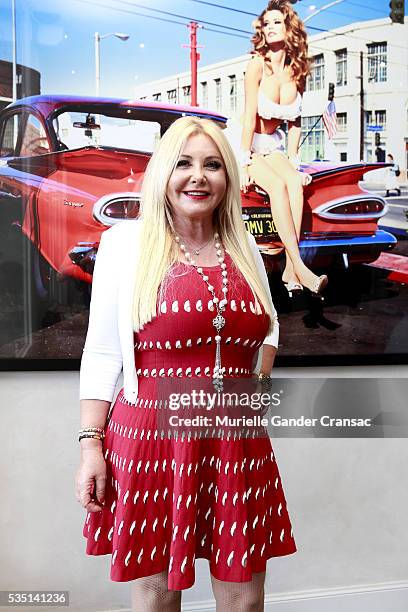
(330, 119)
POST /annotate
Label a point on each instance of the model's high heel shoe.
(319, 286)
(292, 287)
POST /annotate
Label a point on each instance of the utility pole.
(194, 59)
(14, 35)
(362, 117)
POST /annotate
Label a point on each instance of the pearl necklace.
(219, 320)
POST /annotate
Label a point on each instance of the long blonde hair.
(157, 246)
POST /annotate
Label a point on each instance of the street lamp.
(321, 9)
(98, 38)
(14, 35)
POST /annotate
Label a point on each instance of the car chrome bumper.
(379, 241)
(328, 244)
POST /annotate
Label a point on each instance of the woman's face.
(274, 27)
(198, 183)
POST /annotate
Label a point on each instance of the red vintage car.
(70, 167)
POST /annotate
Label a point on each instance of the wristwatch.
(265, 380)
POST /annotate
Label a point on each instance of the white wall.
(347, 498)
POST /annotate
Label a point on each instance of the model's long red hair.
(296, 46)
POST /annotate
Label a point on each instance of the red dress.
(169, 501)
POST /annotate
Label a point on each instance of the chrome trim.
(378, 238)
(84, 255)
(104, 201)
(323, 211)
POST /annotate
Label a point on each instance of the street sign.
(375, 128)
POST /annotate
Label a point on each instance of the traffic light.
(331, 92)
(377, 139)
(397, 11)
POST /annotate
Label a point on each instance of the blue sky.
(56, 37)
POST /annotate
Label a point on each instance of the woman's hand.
(90, 481)
(306, 178)
(245, 179)
(294, 161)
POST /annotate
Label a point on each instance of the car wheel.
(41, 273)
(35, 284)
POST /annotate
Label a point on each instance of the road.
(396, 220)
(364, 313)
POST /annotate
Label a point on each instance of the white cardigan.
(109, 343)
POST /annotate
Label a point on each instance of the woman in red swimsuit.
(274, 84)
(200, 312)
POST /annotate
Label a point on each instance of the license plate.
(259, 222)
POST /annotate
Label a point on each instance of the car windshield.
(83, 129)
(114, 125)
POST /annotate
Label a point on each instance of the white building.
(377, 48)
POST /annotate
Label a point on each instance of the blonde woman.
(179, 297)
(274, 84)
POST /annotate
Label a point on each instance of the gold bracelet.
(91, 429)
(91, 432)
(96, 436)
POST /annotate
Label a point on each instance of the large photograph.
(85, 103)
(192, 192)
